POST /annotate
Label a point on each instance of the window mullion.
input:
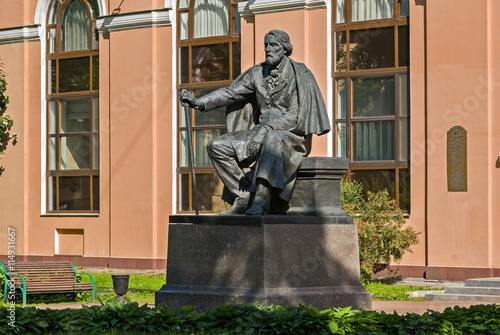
(348, 115)
(397, 130)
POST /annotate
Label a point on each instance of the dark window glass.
(75, 152)
(373, 96)
(74, 74)
(404, 189)
(403, 47)
(75, 116)
(236, 59)
(95, 193)
(210, 63)
(184, 65)
(376, 180)
(52, 194)
(52, 80)
(341, 51)
(94, 8)
(74, 193)
(209, 191)
(373, 140)
(95, 73)
(404, 9)
(216, 117)
(200, 141)
(184, 190)
(372, 48)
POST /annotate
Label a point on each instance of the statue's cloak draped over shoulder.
(312, 115)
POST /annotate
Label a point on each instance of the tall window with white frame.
(370, 71)
(72, 107)
(208, 44)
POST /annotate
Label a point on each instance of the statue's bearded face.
(274, 50)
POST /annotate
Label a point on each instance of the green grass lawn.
(381, 291)
(153, 282)
(103, 282)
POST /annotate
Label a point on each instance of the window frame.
(349, 76)
(231, 38)
(92, 95)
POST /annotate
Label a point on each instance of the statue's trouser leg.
(262, 199)
(223, 157)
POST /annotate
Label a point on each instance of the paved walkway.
(400, 307)
(420, 307)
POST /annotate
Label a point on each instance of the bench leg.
(23, 290)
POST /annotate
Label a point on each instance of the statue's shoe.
(256, 209)
(239, 207)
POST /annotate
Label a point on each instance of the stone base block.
(284, 264)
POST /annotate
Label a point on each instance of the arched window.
(72, 107)
(209, 57)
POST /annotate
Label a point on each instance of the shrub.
(382, 235)
(246, 319)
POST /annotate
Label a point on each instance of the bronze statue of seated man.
(258, 160)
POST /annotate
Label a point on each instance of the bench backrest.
(39, 272)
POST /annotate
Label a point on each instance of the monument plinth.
(268, 263)
(270, 259)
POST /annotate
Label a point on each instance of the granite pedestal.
(310, 256)
(270, 263)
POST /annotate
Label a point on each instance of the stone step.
(483, 282)
(472, 290)
(463, 297)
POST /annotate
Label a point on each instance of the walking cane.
(191, 155)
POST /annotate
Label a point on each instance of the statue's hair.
(282, 38)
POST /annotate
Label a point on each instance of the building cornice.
(255, 7)
(19, 34)
(134, 20)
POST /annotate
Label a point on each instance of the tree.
(6, 121)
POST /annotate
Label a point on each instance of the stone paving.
(401, 307)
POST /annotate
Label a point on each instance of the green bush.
(246, 319)
(383, 237)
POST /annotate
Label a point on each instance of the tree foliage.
(383, 235)
(6, 121)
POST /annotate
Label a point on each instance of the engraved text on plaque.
(457, 159)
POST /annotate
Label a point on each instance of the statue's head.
(277, 45)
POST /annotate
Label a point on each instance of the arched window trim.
(42, 8)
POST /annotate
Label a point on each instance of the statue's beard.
(272, 59)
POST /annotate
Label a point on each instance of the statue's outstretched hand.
(255, 142)
(188, 99)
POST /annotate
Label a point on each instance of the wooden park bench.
(44, 277)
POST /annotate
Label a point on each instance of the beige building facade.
(100, 161)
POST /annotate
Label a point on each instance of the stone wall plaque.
(457, 159)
